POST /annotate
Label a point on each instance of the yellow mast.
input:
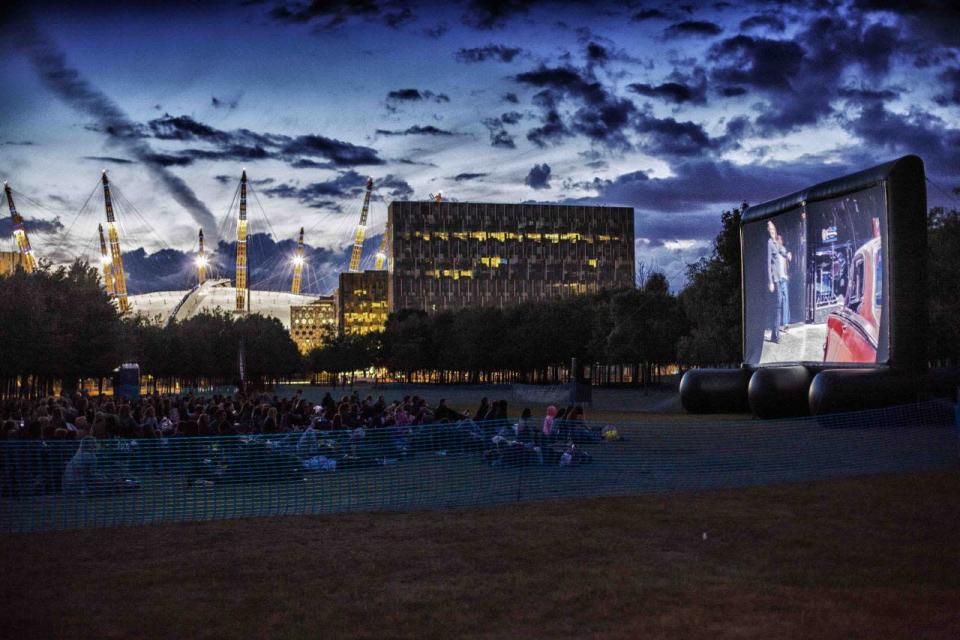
(20, 233)
(119, 277)
(201, 262)
(382, 250)
(105, 263)
(297, 265)
(241, 277)
(361, 229)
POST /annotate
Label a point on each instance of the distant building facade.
(362, 302)
(452, 255)
(10, 261)
(313, 324)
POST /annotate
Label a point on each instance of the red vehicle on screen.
(853, 332)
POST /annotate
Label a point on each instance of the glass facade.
(312, 324)
(362, 302)
(451, 255)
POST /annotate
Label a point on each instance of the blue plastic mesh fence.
(60, 484)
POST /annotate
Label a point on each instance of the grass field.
(872, 557)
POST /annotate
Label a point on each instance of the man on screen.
(777, 259)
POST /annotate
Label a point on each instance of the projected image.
(813, 283)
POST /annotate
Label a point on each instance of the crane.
(202, 262)
(242, 297)
(119, 277)
(105, 263)
(361, 229)
(297, 265)
(20, 233)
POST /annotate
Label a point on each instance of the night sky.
(676, 109)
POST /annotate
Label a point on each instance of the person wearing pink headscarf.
(548, 421)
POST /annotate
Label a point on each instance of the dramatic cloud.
(511, 98)
(498, 134)
(267, 264)
(493, 14)
(32, 225)
(342, 154)
(539, 177)
(693, 28)
(401, 96)
(648, 14)
(109, 159)
(348, 184)
(463, 177)
(331, 14)
(676, 92)
(950, 80)
(67, 83)
(225, 103)
(497, 52)
(602, 117)
(770, 22)
(800, 77)
(417, 130)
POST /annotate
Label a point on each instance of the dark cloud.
(648, 14)
(511, 117)
(915, 132)
(331, 14)
(864, 95)
(341, 154)
(601, 116)
(305, 163)
(669, 137)
(493, 14)
(693, 28)
(511, 98)
(732, 92)
(539, 177)
(348, 184)
(397, 19)
(758, 62)
(800, 78)
(416, 95)
(396, 187)
(437, 31)
(496, 52)
(498, 134)
(765, 21)
(18, 143)
(950, 79)
(417, 130)
(32, 225)
(225, 103)
(676, 92)
(109, 159)
(702, 185)
(167, 160)
(267, 264)
(463, 177)
(67, 83)
(185, 128)
(597, 52)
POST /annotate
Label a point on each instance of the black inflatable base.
(780, 392)
(715, 390)
(794, 391)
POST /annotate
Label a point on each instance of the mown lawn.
(871, 557)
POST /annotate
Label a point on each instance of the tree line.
(57, 325)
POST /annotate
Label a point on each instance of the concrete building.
(313, 324)
(10, 260)
(451, 255)
(362, 302)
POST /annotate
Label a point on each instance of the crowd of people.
(80, 444)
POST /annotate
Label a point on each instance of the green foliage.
(711, 300)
